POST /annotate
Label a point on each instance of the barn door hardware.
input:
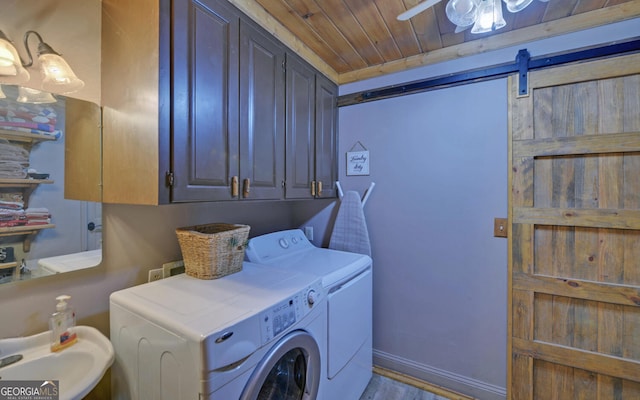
(522, 59)
(490, 72)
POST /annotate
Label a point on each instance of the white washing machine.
(347, 278)
(255, 334)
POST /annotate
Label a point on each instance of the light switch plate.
(172, 268)
(308, 232)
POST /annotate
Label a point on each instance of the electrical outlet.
(155, 274)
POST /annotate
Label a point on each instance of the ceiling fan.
(484, 15)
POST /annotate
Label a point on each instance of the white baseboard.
(446, 379)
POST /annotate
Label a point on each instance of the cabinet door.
(205, 100)
(326, 136)
(261, 115)
(83, 151)
(300, 128)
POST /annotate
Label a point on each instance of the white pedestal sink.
(78, 368)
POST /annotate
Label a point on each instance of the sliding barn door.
(574, 253)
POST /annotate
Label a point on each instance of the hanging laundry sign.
(358, 161)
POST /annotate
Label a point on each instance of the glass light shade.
(34, 96)
(11, 69)
(462, 12)
(517, 5)
(489, 17)
(57, 76)
(8, 54)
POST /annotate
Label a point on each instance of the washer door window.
(289, 371)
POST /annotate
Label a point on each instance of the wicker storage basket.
(212, 251)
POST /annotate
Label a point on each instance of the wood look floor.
(383, 388)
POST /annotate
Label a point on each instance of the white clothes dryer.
(347, 278)
(255, 334)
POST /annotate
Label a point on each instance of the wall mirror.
(62, 231)
(48, 169)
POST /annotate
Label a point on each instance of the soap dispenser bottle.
(62, 324)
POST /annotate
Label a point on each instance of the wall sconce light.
(11, 70)
(57, 76)
(34, 96)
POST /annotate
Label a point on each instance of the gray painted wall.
(439, 161)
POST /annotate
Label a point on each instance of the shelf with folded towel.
(16, 142)
(26, 186)
(25, 137)
(28, 230)
(26, 182)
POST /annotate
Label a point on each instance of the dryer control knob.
(312, 297)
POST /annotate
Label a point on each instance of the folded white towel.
(350, 229)
(13, 169)
(12, 152)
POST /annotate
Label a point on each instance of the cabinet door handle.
(246, 187)
(319, 188)
(313, 188)
(234, 186)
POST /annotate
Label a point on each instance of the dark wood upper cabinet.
(228, 99)
(205, 139)
(262, 113)
(312, 168)
(326, 137)
(206, 109)
(300, 128)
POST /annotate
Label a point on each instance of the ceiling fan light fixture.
(484, 15)
(517, 5)
(489, 17)
(462, 13)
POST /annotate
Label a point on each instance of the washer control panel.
(283, 315)
(266, 248)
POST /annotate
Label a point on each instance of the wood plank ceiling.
(359, 39)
